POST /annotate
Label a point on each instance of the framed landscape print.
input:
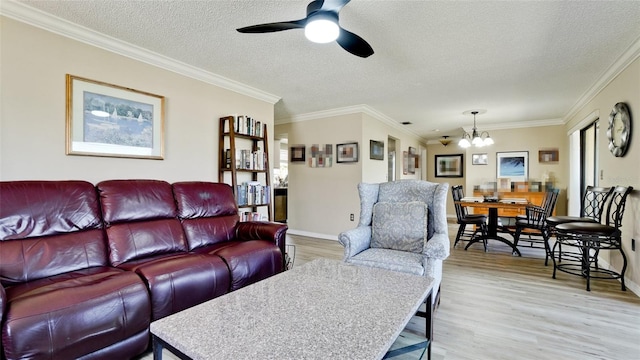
(513, 165)
(115, 121)
(346, 153)
(449, 165)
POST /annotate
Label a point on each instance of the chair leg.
(516, 236)
(483, 229)
(553, 257)
(624, 268)
(461, 229)
(547, 250)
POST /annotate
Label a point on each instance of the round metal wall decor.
(619, 130)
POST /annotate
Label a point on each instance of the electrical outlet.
(351, 217)
(633, 244)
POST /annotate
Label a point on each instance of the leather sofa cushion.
(136, 240)
(179, 281)
(248, 261)
(73, 314)
(37, 258)
(204, 199)
(208, 212)
(142, 219)
(135, 200)
(40, 208)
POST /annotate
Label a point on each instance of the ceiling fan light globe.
(321, 31)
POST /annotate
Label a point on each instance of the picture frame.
(114, 121)
(479, 159)
(376, 150)
(513, 165)
(548, 156)
(297, 153)
(321, 155)
(347, 153)
(449, 165)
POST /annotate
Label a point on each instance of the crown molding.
(56, 25)
(349, 110)
(517, 125)
(628, 56)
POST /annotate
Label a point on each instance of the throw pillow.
(399, 226)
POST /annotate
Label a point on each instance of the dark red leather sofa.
(84, 269)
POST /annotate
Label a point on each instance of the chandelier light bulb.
(488, 141)
(464, 143)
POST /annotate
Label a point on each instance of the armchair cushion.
(399, 226)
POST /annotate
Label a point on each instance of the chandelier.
(477, 139)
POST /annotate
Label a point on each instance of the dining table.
(492, 226)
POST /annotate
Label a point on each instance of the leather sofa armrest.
(355, 240)
(3, 305)
(263, 230)
(438, 246)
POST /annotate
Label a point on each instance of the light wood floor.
(498, 306)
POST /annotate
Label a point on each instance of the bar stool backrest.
(618, 200)
(594, 201)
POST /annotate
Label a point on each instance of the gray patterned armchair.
(403, 227)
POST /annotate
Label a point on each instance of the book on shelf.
(243, 124)
(251, 216)
(253, 193)
(247, 159)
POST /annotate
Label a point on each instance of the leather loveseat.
(84, 269)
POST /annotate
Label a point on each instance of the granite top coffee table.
(324, 309)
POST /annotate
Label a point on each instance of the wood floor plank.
(498, 306)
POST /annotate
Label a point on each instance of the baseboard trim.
(312, 234)
(627, 282)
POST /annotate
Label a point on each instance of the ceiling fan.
(321, 25)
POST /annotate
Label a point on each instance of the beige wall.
(320, 200)
(620, 171)
(32, 114)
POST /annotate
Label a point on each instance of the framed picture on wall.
(449, 165)
(548, 156)
(114, 121)
(513, 165)
(376, 150)
(346, 153)
(297, 153)
(479, 159)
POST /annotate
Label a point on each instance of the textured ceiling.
(520, 60)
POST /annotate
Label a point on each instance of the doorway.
(391, 166)
(589, 156)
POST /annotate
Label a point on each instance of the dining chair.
(464, 219)
(593, 203)
(585, 240)
(534, 225)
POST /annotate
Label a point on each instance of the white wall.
(32, 111)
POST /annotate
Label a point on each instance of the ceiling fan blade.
(273, 27)
(354, 44)
(333, 5)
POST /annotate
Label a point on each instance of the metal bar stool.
(585, 240)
